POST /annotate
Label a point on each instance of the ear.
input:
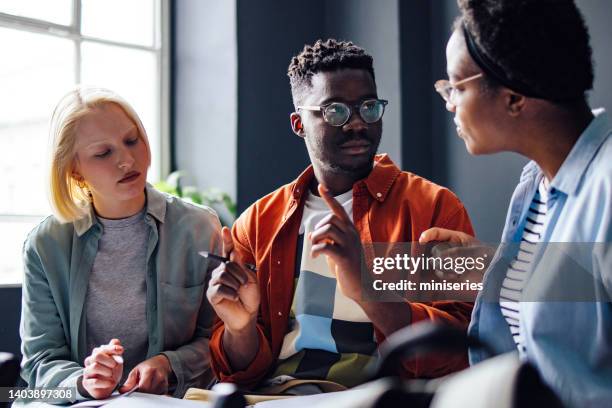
(515, 103)
(296, 124)
(74, 171)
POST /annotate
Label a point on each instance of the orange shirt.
(388, 206)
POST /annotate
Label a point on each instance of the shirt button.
(280, 313)
(278, 262)
(378, 195)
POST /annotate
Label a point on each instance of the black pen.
(223, 259)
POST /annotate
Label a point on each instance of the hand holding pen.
(103, 370)
(233, 290)
(224, 259)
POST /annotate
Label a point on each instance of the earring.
(79, 181)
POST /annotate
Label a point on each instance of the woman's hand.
(446, 235)
(150, 376)
(103, 370)
(457, 244)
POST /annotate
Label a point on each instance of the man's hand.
(233, 291)
(336, 237)
(103, 370)
(151, 376)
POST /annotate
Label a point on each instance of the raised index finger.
(228, 243)
(334, 205)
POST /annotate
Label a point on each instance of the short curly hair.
(325, 56)
(543, 44)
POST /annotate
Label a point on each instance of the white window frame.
(160, 48)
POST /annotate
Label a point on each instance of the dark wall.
(374, 25)
(416, 78)
(10, 305)
(598, 14)
(269, 34)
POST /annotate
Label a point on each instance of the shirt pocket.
(181, 312)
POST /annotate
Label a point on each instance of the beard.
(358, 166)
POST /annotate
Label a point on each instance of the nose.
(450, 107)
(126, 160)
(355, 123)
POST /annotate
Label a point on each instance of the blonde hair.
(69, 200)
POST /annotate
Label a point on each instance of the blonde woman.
(113, 292)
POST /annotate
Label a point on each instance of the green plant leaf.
(210, 197)
(164, 187)
(192, 194)
(174, 180)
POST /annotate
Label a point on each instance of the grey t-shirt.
(115, 306)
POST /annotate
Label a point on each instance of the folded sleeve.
(46, 353)
(253, 373)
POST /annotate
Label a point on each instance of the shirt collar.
(156, 203)
(577, 162)
(377, 184)
(156, 207)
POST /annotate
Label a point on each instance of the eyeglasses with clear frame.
(446, 88)
(339, 113)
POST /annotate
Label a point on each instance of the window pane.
(13, 233)
(55, 11)
(133, 75)
(119, 20)
(36, 71)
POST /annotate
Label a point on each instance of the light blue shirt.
(567, 334)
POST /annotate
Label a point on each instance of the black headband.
(493, 70)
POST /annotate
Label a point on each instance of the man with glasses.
(301, 315)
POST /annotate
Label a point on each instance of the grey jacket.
(57, 262)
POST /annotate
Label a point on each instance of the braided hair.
(325, 56)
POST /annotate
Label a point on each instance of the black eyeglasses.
(339, 113)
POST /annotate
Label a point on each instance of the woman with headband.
(518, 76)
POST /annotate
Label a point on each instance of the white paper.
(352, 397)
